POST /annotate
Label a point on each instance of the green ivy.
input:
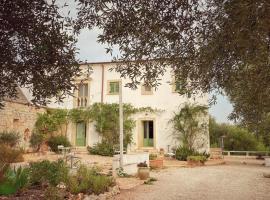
(105, 116)
(51, 121)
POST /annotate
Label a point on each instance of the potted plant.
(155, 162)
(143, 170)
(196, 160)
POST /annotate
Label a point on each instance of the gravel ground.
(232, 182)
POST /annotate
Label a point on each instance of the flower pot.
(143, 173)
(156, 164)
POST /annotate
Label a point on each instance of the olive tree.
(37, 50)
(215, 44)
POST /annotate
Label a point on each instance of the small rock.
(102, 197)
(79, 196)
(61, 185)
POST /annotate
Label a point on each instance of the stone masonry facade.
(19, 117)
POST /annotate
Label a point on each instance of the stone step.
(80, 150)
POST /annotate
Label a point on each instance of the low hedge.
(201, 159)
(102, 149)
(54, 141)
(182, 153)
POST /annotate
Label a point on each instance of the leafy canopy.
(215, 44)
(37, 50)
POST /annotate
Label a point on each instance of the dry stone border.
(113, 191)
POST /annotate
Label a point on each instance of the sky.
(90, 50)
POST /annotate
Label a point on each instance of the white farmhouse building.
(152, 131)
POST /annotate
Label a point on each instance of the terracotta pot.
(157, 163)
(143, 173)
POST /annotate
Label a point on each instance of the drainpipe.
(102, 82)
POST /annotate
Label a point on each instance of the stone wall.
(21, 118)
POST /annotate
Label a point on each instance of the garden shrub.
(236, 138)
(201, 159)
(53, 193)
(88, 180)
(188, 126)
(10, 138)
(14, 180)
(152, 156)
(54, 141)
(102, 149)
(8, 155)
(51, 121)
(46, 172)
(36, 140)
(106, 118)
(240, 139)
(100, 183)
(182, 152)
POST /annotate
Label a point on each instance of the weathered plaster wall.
(163, 99)
(19, 117)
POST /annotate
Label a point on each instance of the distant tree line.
(236, 137)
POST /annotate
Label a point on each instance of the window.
(113, 87)
(178, 86)
(82, 99)
(147, 90)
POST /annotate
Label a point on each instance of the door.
(81, 134)
(148, 133)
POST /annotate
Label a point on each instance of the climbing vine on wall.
(51, 121)
(104, 116)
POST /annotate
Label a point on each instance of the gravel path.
(224, 182)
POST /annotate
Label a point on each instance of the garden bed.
(54, 180)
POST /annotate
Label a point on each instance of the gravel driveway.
(232, 182)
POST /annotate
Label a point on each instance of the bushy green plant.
(48, 172)
(14, 180)
(36, 140)
(88, 180)
(10, 138)
(189, 125)
(51, 121)
(54, 141)
(52, 193)
(103, 149)
(106, 117)
(201, 159)
(101, 183)
(182, 153)
(8, 155)
(236, 138)
(240, 139)
(152, 156)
